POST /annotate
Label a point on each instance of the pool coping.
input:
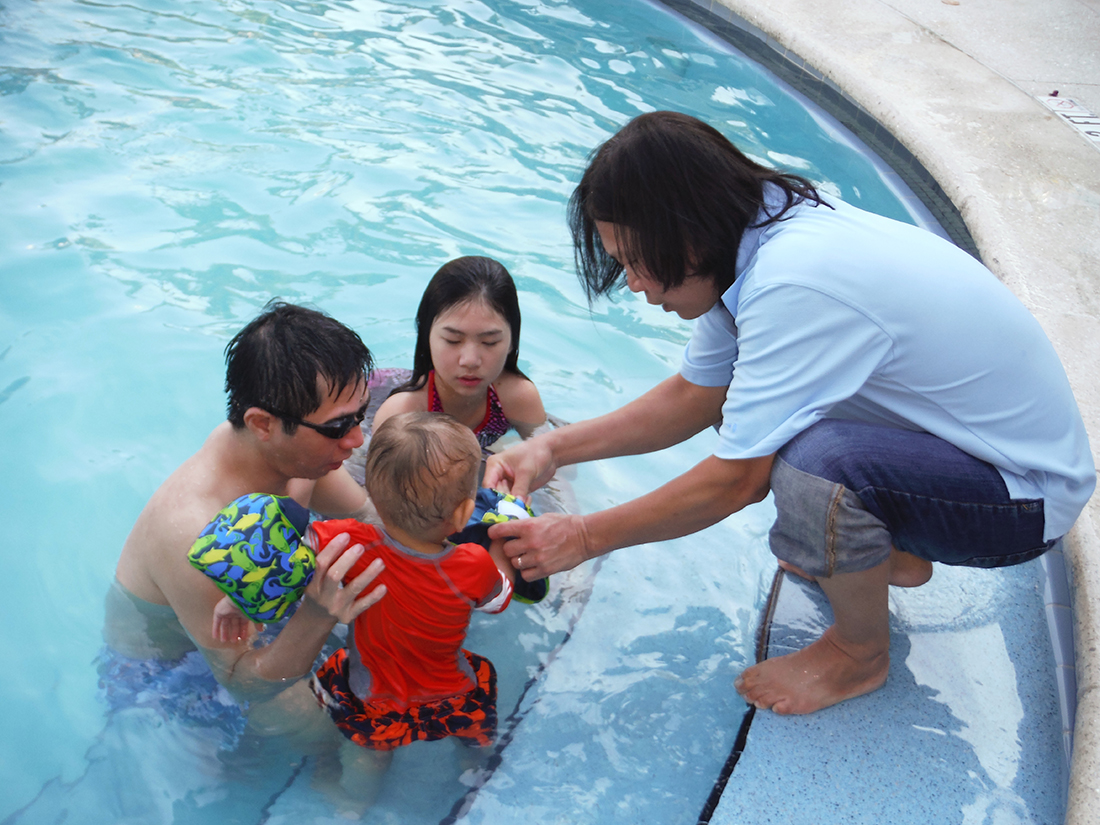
(1027, 188)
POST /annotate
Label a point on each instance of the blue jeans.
(846, 491)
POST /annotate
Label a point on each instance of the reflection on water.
(166, 168)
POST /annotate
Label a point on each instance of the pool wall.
(1027, 188)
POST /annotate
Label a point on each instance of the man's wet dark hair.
(273, 363)
(685, 195)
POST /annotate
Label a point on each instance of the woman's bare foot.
(826, 672)
(906, 570)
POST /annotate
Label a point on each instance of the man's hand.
(327, 592)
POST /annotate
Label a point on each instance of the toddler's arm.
(501, 560)
(503, 597)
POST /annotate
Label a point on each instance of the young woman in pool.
(467, 342)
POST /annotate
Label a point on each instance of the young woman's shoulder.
(520, 401)
(401, 402)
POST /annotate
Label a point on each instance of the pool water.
(165, 170)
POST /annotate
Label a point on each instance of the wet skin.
(469, 344)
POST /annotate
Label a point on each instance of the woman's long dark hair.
(684, 192)
(464, 280)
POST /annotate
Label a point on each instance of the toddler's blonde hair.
(420, 467)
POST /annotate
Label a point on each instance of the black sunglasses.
(335, 429)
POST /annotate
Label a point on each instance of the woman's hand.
(521, 468)
(547, 544)
(326, 592)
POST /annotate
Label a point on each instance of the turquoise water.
(165, 170)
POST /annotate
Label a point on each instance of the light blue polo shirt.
(839, 313)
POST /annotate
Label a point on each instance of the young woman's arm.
(400, 402)
(521, 403)
(335, 495)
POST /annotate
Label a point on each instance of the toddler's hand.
(230, 624)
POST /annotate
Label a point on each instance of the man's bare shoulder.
(174, 516)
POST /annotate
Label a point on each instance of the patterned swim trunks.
(183, 691)
(471, 717)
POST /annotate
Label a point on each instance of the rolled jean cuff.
(846, 492)
(822, 527)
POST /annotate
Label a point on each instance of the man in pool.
(297, 386)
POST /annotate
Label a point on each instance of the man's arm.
(256, 674)
(704, 495)
(671, 412)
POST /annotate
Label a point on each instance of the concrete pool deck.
(960, 86)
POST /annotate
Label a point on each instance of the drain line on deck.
(763, 637)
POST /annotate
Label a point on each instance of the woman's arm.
(335, 495)
(671, 412)
(400, 402)
(704, 495)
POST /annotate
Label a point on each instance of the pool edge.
(1025, 185)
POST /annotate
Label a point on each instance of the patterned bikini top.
(492, 427)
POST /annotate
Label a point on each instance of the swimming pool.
(168, 168)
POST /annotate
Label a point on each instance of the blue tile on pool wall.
(1055, 579)
(1060, 619)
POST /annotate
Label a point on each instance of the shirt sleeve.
(483, 583)
(497, 603)
(326, 531)
(710, 354)
(799, 352)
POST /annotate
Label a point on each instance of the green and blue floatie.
(255, 553)
(491, 507)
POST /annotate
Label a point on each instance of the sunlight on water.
(165, 170)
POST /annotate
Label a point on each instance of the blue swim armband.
(491, 507)
(253, 550)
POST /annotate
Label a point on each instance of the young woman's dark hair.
(273, 363)
(684, 192)
(464, 280)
